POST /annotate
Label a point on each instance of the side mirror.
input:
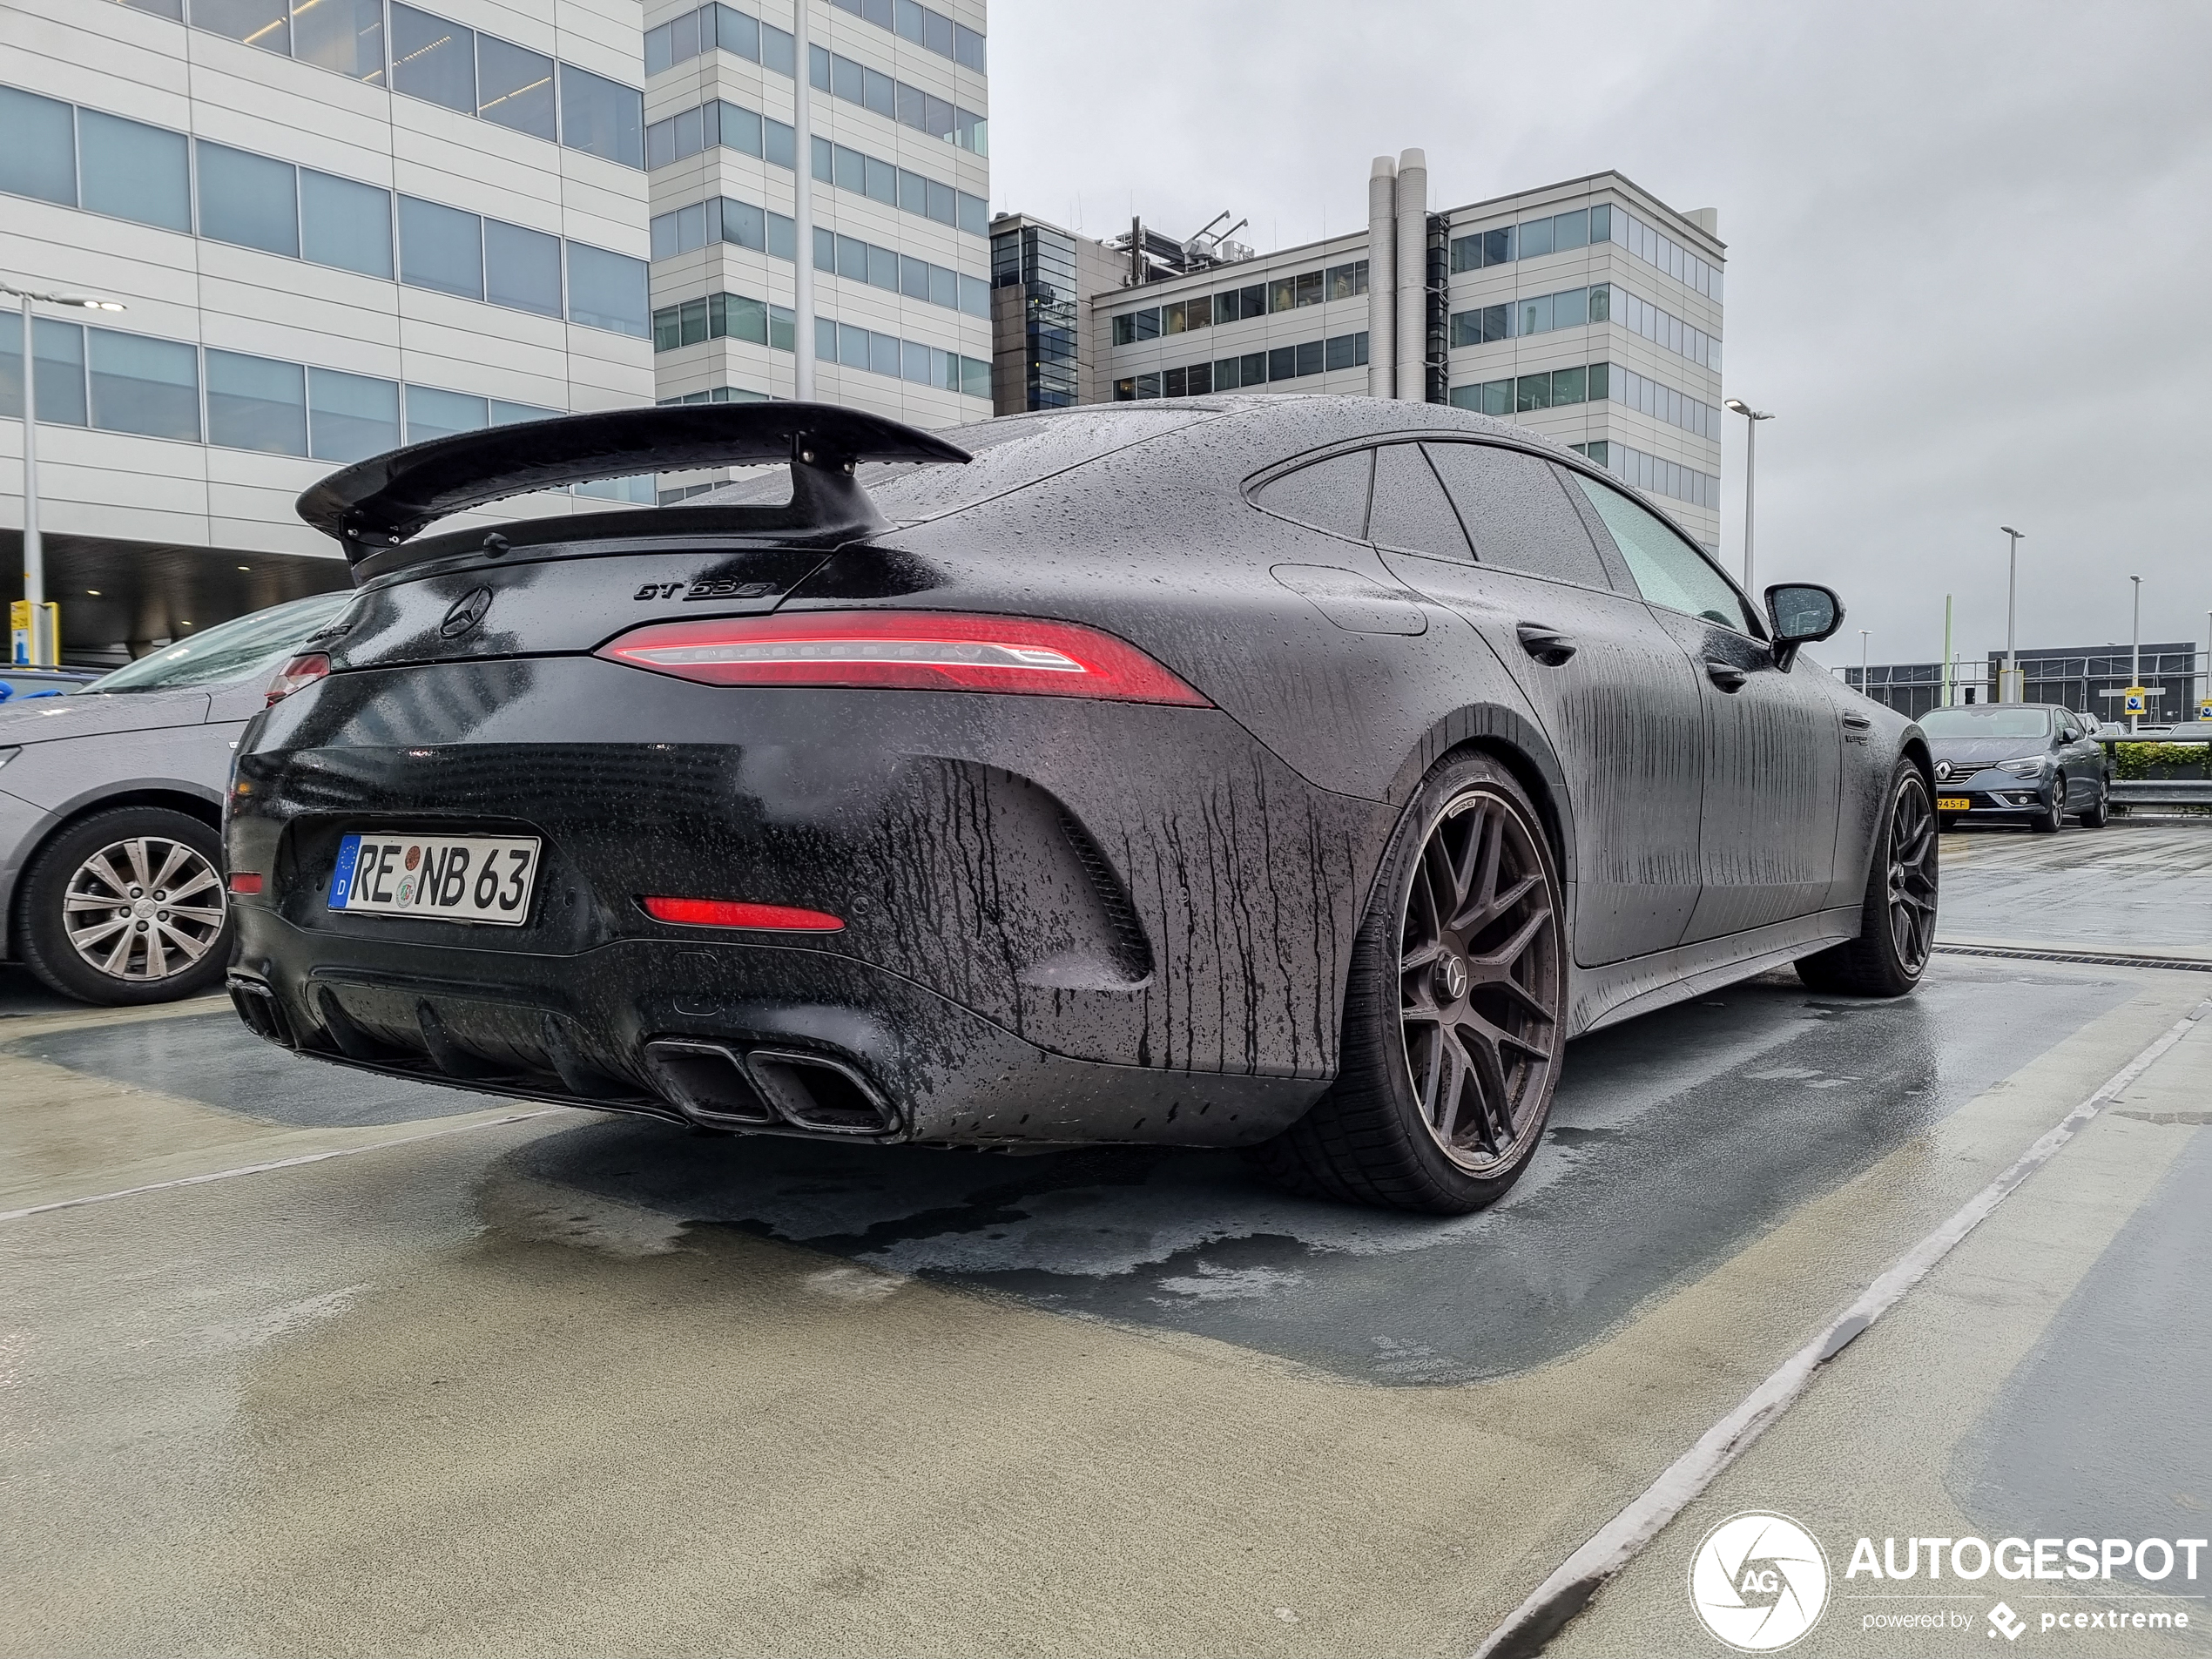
(1801, 612)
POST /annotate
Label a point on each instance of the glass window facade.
(852, 347)
(1346, 282)
(1251, 368)
(609, 290)
(433, 59)
(1562, 232)
(143, 385)
(514, 87)
(602, 117)
(931, 30)
(351, 417)
(60, 347)
(883, 267)
(1572, 309)
(1041, 262)
(38, 147)
(845, 168)
(345, 223)
(731, 126)
(849, 82)
(256, 403)
(722, 316)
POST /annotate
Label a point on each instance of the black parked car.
(2030, 763)
(1295, 774)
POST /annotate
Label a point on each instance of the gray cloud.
(1963, 242)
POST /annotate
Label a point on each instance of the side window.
(1517, 513)
(1668, 571)
(1330, 495)
(1410, 510)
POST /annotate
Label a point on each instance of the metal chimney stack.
(1412, 284)
(1382, 277)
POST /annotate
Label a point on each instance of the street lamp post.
(34, 548)
(802, 269)
(2011, 690)
(1751, 419)
(2136, 647)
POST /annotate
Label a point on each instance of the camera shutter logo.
(1758, 1582)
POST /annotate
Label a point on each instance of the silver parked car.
(110, 805)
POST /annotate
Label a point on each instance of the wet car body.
(2036, 776)
(1061, 920)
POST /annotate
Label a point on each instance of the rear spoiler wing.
(381, 503)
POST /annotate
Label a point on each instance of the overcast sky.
(1966, 244)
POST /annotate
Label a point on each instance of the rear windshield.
(1996, 721)
(1009, 452)
(237, 649)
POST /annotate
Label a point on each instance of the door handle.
(1548, 645)
(1727, 676)
(1857, 722)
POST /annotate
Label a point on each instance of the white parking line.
(1578, 1578)
(279, 1164)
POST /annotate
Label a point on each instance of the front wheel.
(1897, 923)
(2051, 819)
(2097, 813)
(1454, 1014)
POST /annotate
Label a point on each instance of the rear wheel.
(1454, 1014)
(127, 906)
(1897, 923)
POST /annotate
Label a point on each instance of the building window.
(142, 385)
(513, 86)
(345, 223)
(38, 147)
(602, 117)
(256, 403)
(854, 83)
(351, 417)
(60, 347)
(264, 24)
(609, 290)
(521, 269)
(248, 199)
(432, 59)
(133, 170)
(441, 248)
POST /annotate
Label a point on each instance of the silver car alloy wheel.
(144, 909)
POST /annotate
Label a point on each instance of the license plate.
(1954, 803)
(453, 878)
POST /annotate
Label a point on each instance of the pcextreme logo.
(1758, 1582)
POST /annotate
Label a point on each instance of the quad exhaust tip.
(718, 1085)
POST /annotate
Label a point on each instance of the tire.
(2050, 822)
(2096, 815)
(1897, 922)
(1474, 1027)
(137, 949)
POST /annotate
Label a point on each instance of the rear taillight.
(729, 912)
(910, 650)
(245, 882)
(297, 675)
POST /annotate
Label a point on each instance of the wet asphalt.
(486, 1381)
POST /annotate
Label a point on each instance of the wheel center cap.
(1451, 977)
(144, 908)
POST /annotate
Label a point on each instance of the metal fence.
(2090, 679)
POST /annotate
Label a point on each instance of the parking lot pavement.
(484, 1382)
(2139, 884)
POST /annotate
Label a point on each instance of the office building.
(336, 225)
(899, 156)
(1588, 310)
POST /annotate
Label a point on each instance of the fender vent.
(1132, 952)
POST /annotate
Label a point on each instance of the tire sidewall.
(44, 945)
(1878, 886)
(1375, 1042)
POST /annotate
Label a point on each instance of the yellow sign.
(2132, 701)
(29, 645)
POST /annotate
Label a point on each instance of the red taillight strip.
(245, 882)
(907, 650)
(727, 912)
(296, 675)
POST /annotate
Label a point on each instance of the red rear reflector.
(245, 882)
(727, 912)
(297, 675)
(911, 650)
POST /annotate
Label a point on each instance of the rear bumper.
(1063, 919)
(608, 1027)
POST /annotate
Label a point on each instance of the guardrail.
(2125, 792)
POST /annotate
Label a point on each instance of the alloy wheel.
(144, 909)
(1912, 875)
(1479, 981)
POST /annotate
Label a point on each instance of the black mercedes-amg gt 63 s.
(1291, 773)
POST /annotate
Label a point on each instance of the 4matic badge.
(1758, 1582)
